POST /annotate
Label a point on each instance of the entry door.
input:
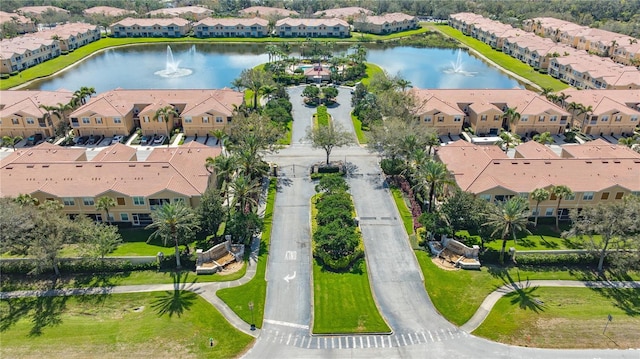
(136, 219)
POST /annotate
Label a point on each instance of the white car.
(117, 139)
(159, 140)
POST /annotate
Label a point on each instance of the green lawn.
(143, 325)
(405, 213)
(357, 125)
(361, 36)
(348, 294)
(255, 290)
(565, 318)
(507, 62)
(372, 69)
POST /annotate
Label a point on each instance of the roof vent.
(78, 165)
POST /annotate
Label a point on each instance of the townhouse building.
(614, 112)
(25, 51)
(193, 13)
(39, 10)
(107, 11)
(595, 172)
(344, 13)
(290, 27)
(168, 175)
(627, 53)
(72, 35)
(120, 111)
(266, 12)
(156, 27)
(464, 21)
(385, 24)
(231, 27)
(21, 23)
(448, 111)
(21, 112)
(592, 72)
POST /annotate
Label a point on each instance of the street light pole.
(253, 322)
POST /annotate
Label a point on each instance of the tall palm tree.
(12, 141)
(507, 218)
(171, 221)
(105, 203)
(436, 175)
(224, 168)
(511, 115)
(587, 111)
(245, 193)
(403, 84)
(432, 141)
(539, 195)
(562, 97)
(221, 135)
(166, 114)
(506, 138)
(544, 138)
(546, 91)
(560, 192)
(268, 90)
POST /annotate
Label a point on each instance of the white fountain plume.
(456, 67)
(172, 67)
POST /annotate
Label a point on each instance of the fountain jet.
(456, 67)
(172, 67)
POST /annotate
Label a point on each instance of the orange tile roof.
(232, 21)
(267, 11)
(38, 10)
(599, 149)
(44, 152)
(312, 22)
(343, 12)
(29, 102)
(107, 11)
(117, 152)
(178, 21)
(533, 149)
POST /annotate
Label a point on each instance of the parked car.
(144, 140)
(82, 140)
(34, 139)
(117, 139)
(159, 140)
(94, 140)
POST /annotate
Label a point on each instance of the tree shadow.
(526, 299)
(45, 311)
(547, 244)
(283, 182)
(627, 299)
(104, 281)
(177, 301)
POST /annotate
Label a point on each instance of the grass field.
(357, 125)
(372, 69)
(348, 294)
(565, 318)
(142, 325)
(501, 59)
(405, 213)
(255, 290)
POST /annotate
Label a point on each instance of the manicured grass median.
(357, 125)
(565, 318)
(343, 302)
(255, 290)
(405, 213)
(501, 59)
(142, 325)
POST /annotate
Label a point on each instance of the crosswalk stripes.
(399, 339)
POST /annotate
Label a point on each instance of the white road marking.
(288, 277)
(325, 342)
(449, 330)
(397, 340)
(333, 344)
(431, 336)
(361, 345)
(375, 341)
(289, 339)
(302, 342)
(354, 342)
(382, 341)
(390, 345)
(424, 336)
(286, 324)
(368, 343)
(403, 339)
(339, 343)
(290, 255)
(309, 343)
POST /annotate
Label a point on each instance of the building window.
(145, 118)
(15, 121)
(440, 118)
(619, 195)
(138, 201)
(124, 217)
(86, 120)
(541, 119)
(178, 200)
(534, 212)
(120, 201)
(496, 117)
(604, 118)
(524, 119)
(218, 119)
(549, 212)
(188, 119)
(587, 196)
(117, 120)
(553, 118)
(605, 195)
(427, 118)
(483, 118)
(30, 121)
(205, 119)
(457, 119)
(634, 118)
(570, 197)
(618, 118)
(68, 201)
(524, 195)
(98, 120)
(88, 201)
(486, 197)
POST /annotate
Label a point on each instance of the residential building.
(22, 52)
(266, 12)
(39, 10)
(464, 21)
(344, 13)
(21, 113)
(385, 24)
(130, 27)
(627, 53)
(593, 72)
(488, 173)
(71, 36)
(231, 27)
(290, 27)
(614, 112)
(107, 11)
(120, 111)
(450, 110)
(22, 24)
(168, 175)
(193, 13)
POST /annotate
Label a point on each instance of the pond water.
(217, 65)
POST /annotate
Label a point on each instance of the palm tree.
(245, 193)
(221, 135)
(586, 110)
(165, 114)
(435, 174)
(506, 138)
(546, 91)
(539, 195)
(171, 221)
(512, 115)
(12, 141)
(105, 203)
(562, 97)
(627, 141)
(268, 90)
(25, 199)
(560, 192)
(80, 96)
(544, 138)
(508, 218)
(432, 141)
(224, 168)
(403, 84)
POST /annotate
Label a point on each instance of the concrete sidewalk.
(488, 303)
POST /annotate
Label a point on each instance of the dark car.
(94, 140)
(34, 139)
(82, 140)
(145, 140)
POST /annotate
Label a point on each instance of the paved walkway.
(488, 303)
